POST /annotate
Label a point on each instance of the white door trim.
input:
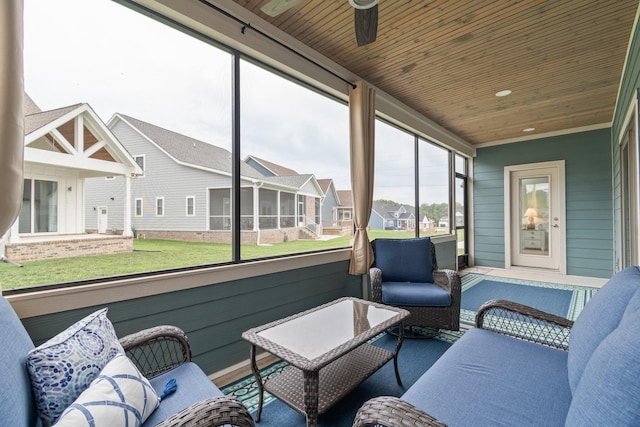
(561, 234)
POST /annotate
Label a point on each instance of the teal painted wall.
(628, 92)
(589, 200)
(215, 316)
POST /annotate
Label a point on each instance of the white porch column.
(127, 206)
(256, 208)
(14, 237)
(278, 208)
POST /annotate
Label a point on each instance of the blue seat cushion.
(415, 294)
(487, 379)
(192, 386)
(609, 391)
(598, 319)
(17, 405)
(404, 260)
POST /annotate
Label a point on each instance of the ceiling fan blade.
(276, 7)
(366, 25)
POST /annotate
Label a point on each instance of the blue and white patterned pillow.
(120, 396)
(63, 367)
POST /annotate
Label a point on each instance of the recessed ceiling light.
(503, 92)
(528, 129)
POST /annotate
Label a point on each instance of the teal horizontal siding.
(589, 198)
(215, 316)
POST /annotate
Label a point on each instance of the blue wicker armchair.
(405, 274)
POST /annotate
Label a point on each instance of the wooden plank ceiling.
(562, 59)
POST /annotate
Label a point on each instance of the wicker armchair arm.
(448, 280)
(216, 411)
(524, 322)
(375, 274)
(157, 350)
(391, 411)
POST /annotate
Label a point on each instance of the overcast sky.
(116, 60)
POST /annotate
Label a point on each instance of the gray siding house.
(184, 192)
(392, 216)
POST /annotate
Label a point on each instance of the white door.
(102, 220)
(535, 233)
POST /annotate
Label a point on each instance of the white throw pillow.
(119, 396)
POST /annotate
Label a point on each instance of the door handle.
(556, 226)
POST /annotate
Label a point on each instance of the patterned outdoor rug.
(246, 389)
(562, 300)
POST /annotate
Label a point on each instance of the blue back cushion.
(598, 319)
(609, 391)
(16, 401)
(404, 260)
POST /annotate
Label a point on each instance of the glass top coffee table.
(328, 350)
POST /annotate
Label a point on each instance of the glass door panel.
(534, 214)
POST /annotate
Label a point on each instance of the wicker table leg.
(256, 373)
(395, 354)
(311, 397)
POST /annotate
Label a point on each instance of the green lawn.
(152, 255)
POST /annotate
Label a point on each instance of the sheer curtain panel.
(362, 110)
(11, 112)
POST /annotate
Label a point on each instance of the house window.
(138, 207)
(191, 205)
(39, 212)
(140, 160)
(159, 206)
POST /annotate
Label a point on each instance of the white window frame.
(159, 203)
(135, 207)
(193, 205)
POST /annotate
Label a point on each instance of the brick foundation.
(68, 248)
(222, 236)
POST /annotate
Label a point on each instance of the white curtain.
(11, 112)
(362, 134)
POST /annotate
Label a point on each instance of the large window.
(404, 161)
(39, 213)
(168, 98)
(293, 139)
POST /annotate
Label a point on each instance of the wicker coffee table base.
(313, 392)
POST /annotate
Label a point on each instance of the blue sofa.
(523, 367)
(159, 353)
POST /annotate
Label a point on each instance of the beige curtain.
(362, 134)
(11, 112)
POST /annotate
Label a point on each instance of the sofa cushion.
(63, 367)
(404, 260)
(599, 318)
(487, 379)
(16, 402)
(193, 385)
(609, 391)
(120, 395)
(415, 294)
